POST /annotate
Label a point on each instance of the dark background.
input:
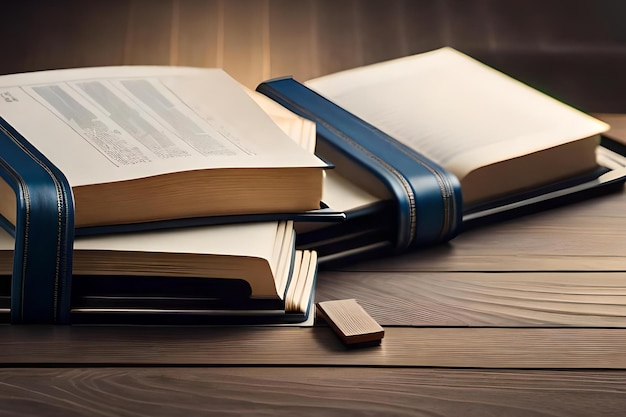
(573, 49)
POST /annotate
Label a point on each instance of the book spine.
(43, 231)
(428, 197)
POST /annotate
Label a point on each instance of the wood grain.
(198, 33)
(585, 236)
(246, 49)
(255, 40)
(43, 35)
(309, 392)
(542, 348)
(350, 321)
(379, 35)
(294, 44)
(148, 28)
(537, 299)
(337, 35)
(520, 318)
(467, 25)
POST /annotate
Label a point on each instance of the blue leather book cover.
(433, 196)
(44, 232)
(428, 200)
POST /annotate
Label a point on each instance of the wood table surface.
(525, 317)
(522, 318)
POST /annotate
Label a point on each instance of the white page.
(252, 240)
(455, 110)
(299, 129)
(246, 239)
(343, 195)
(117, 123)
(339, 193)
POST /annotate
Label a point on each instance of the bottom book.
(229, 274)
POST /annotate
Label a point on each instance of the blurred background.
(572, 49)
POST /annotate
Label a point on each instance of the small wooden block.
(351, 322)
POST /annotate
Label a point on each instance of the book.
(437, 142)
(236, 273)
(369, 224)
(143, 144)
(111, 149)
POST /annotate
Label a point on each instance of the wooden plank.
(566, 36)
(350, 322)
(483, 299)
(309, 392)
(46, 35)
(585, 236)
(293, 39)
(245, 40)
(198, 33)
(466, 25)
(18, 36)
(515, 26)
(556, 29)
(379, 30)
(586, 78)
(405, 347)
(93, 35)
(338, 38)
(149, 32)
(424, 26)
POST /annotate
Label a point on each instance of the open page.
(455, 110)
(299, 129)
(117, 123)
(338, 192)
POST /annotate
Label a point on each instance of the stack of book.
(175, 195)
(152, 195)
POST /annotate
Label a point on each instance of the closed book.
(236, 273)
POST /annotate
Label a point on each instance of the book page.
(455, 110)
(245, 239)
(117, 123)
(344, 195)
(299, 129)
(238, 239)
(338, 192)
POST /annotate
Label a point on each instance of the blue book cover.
(452, 143)
(123, 149)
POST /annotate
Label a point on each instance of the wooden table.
(524, 317)
(520, 318)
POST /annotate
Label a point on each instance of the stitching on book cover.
(61, 213)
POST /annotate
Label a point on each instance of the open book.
(142, 144)
(438, 140)
(498, 136)
(248, 273)
(112, 148)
